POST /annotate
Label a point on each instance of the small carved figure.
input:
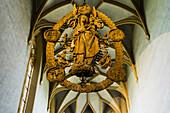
(62, 60)
(55, 74)
(99, 23)
(105, 39)
(86, 43)
(65, 40)
(105, 61)
(91, 19)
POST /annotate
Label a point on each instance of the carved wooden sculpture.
(85, 49)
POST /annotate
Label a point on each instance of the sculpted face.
(84, 9)
(99, 23)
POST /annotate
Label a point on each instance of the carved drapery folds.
(84, 49)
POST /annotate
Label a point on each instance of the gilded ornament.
(116, 35)
(52, 35)
(116, 74)
(55, 74)
(84, 49)
(84, 9)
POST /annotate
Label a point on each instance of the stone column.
(36, 74)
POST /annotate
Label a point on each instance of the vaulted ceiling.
(125, 14)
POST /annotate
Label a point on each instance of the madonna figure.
(85, 46)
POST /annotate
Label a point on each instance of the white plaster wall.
(157, 14)
(14, 30)
(42, 96)
(152, 93)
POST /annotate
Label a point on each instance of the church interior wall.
(15, 17)
(151, 93)
(157, 16)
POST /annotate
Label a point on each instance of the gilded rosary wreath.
(86, 50)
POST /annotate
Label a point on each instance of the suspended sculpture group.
(86, 49)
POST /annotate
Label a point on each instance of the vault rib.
(125, 7)
(108, 103)
(35, 18)
(63, 100)
(53, 93)
(142, 19)
(114, 100)
(69, 103)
